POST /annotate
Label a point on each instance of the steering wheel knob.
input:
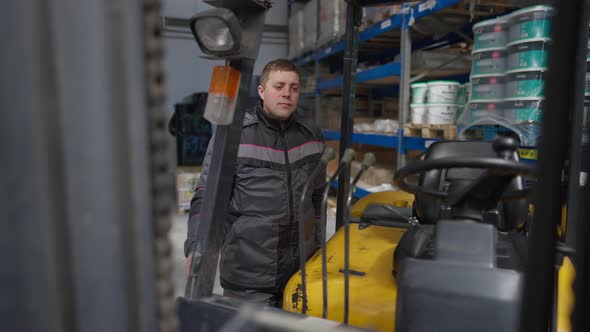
(505, 147)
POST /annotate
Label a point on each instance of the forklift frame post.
(210, 229)
(539, 278)
(353, 11)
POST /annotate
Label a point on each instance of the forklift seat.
(507, 218)
(508, 215)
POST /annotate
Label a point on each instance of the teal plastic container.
(482, 112)
(526, 110)
(492, 61)
(462, 96)
(486, 87)
(525, 84)
(531, 54)
(490, 34)
(529, 23)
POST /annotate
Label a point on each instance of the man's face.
(280, 94)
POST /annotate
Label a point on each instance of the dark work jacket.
(274, 162)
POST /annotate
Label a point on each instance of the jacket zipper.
(289, 186)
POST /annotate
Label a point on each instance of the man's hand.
(187, 265)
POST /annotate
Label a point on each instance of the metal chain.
(162, 192)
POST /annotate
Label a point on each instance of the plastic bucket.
(441, 113)
(528, 23)
(489, 62)
(418, 113)
(442, 92)
(481, 110)
(460, 111)
(531, 54)
(419, 92)
(525, 84)
(462, 95)
(490, 34)
(486, 87)
(527, 110)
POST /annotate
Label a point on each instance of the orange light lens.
(225, 81)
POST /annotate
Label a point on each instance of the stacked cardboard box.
(310, 25)
(333, 19)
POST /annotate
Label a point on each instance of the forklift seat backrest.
(508, 215)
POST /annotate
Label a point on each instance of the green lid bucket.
(492, 61)
(528, 23)
(490, 34)
(530, 54)
(524, 110)
(525, 83)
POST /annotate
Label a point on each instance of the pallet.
(447, 132)
(414, 130)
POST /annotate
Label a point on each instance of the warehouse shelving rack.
(392, 74)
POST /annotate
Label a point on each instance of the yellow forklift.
(87, 196)
(463, 252)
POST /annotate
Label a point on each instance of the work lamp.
(217, 31)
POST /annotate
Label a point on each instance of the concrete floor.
(178, 235)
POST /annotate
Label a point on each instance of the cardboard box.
(187, 179)
(310, 25)
(333, 20)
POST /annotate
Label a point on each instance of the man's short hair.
(275, 65)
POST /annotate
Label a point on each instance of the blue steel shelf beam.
(409, 143)
(386, 70)
(420, 10)
(358, 191)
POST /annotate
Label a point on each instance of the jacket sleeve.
(316, 199)
(196, 201)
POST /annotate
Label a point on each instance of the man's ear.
(261, 92)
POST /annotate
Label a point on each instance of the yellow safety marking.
(528, 153)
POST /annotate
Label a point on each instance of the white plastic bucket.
(419, 92)
(418, 113)
(441, 114)
(442, 92)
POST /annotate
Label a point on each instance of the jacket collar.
(270, 122)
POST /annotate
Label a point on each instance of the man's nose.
(287, 93)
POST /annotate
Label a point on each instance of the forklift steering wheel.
(498, 166)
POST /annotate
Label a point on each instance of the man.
(277, 154)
